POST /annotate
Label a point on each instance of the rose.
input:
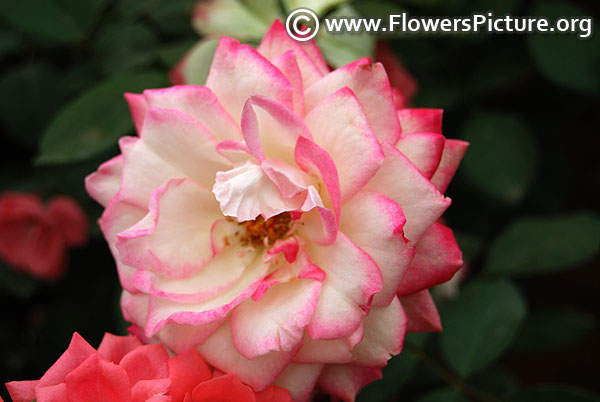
(123, 370)
(34, 238)
(282, 219)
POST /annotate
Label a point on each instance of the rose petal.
(421, 312)
(151, 391)
(372, 89)
(420, 120)
(329, 351)
(200, 103)
(165, 311)
(238, 72)
(276, 42)
(246, 192)
(96, 379)
(22, 391)
(339, 126)
(117, 217)
(384, 330)
(186, 371)
(375, 223)
(352, 280)
(147, 362)
(276, 322)
(77, 352)
(114, 347)
(218, 350)
(436, 261)
(454, 150)
(288, 65)
(226, 387)
(181, 212)
(420, 201)
(216, 277)
(424, 150)
(137, 106)
(184, 143)
(299, 380)
(345, 381)
(104, 183)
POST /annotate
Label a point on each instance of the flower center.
(261, 232)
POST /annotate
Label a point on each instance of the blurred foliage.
(525, 201)
(480, 324)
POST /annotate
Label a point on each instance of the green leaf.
(553, 393)
(173, 17)
(83, 13)
(267, 10)
(92, 123)
(171, 54)
(56, 20)
(122, 47)
(442, 395)
(320, 7)
(553, 328)
(10, 42)
(544, 244)
(394, 375)
(470, 244)
(131, 9)
(198, 60)
(230, 18)
(564, 58)
(480, 324)
(342, 48)
(501, 161)
(378, 8)
(495, 381)
(440, 94)
(32, 94)
(498, 71)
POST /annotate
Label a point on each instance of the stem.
(451, 378)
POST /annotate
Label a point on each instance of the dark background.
(525, 201)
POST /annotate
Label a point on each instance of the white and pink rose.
(282, 219)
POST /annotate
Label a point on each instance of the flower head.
(125, 370)
(34, 238)
(281, 219)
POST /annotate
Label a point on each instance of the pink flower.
(281, 219)
(35, 238)
(124, 370)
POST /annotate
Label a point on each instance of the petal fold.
(238, 72)
(372, 88)
(436, 261)
(344, 381)
(219, 351)
(420, 201)
(339, 126)
(375, 223)
(276, 322)
(454, 150)
(421, 312)
(352, 280)
(181, 212)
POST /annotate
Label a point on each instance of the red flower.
(34, 238)
(124, 370)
